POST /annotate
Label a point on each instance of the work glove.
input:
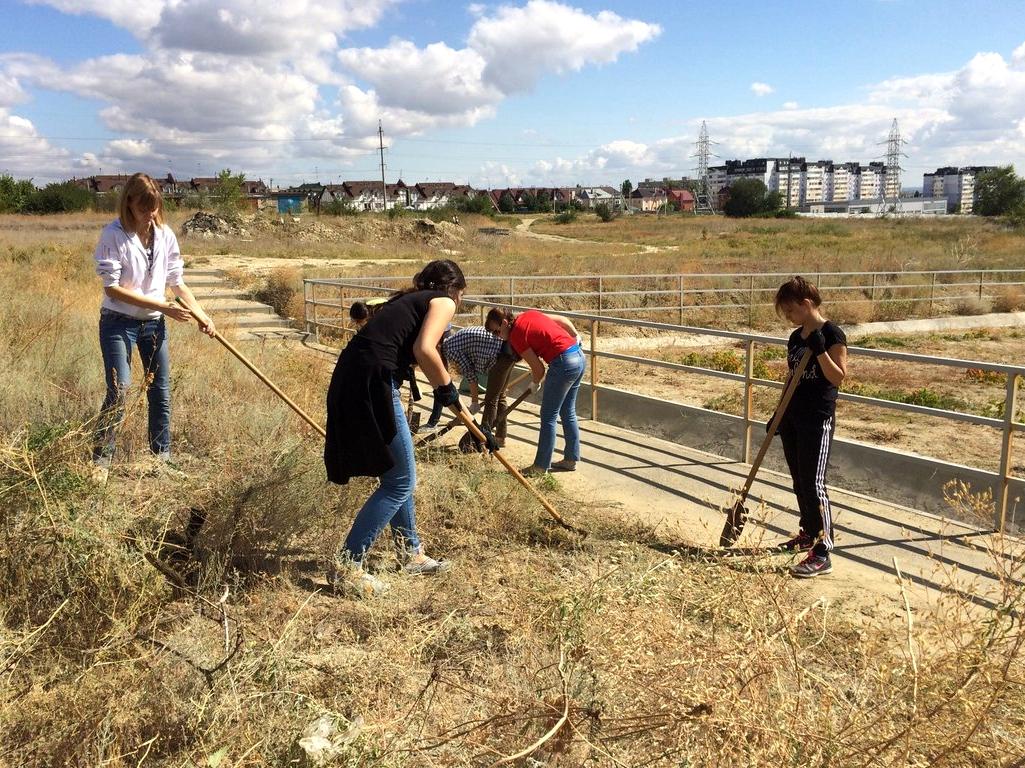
(816, 342)
(448, 395)
(489, 439)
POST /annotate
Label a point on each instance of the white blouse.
(121, 259)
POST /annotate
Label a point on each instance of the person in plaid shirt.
(474, 350)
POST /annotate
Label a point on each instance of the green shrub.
(64, 197)
(14, 194)
(604, 212)
(566, 217)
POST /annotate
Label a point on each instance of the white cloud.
(1018, 57)
(24, 153)
(265, 29)
(138, 16)
(761, 89)
(520, 44)
(435, 80)
(790, 105)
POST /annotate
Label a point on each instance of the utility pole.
(384, 187)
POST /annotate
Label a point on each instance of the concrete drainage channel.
(235, 313)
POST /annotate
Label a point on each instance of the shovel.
(737, 515)
(470, 444)
(455, 422)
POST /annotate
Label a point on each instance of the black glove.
(816, 342)
(448, 395)
(489, 439)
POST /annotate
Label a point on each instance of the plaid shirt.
(473, 349)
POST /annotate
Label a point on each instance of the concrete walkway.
(682, 492)
(234, 313)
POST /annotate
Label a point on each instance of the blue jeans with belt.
(119, 335)
(559, 401)
(392, 502)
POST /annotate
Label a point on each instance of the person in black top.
(367, 433)
(807, 427)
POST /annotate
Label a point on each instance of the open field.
(619, 650)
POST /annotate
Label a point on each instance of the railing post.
(681, 300)
(749, 396)
(594, 370)
(751, 304)
(599, 294)
(512, 291)
(481, 314)
(1002, 496)
(872, 296)
(306, 306)
(982, 275)
(932, 294)
(316, 325)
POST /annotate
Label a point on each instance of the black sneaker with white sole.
(802, 542)
(813, 565)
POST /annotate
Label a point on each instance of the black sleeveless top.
(360, 414)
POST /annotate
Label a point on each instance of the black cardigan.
(360, 414)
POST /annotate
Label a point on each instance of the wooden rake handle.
(475, 431)
(781, 409)
(262, 377)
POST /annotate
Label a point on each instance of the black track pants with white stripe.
(806, 444)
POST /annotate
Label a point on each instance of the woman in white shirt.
(138, 259)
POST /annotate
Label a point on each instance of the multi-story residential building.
(871, 181)
(718, 180)
(785, 178)
(813, 181)
(838, 181)
(957, 185)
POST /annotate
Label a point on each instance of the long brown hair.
(439, 275)
(140, 189)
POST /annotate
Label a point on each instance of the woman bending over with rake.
(541, 339)
(367, 433)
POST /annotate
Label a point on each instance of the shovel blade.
(735, 520)
(470, 444)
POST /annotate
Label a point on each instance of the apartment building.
(813, 181)
(956, 185)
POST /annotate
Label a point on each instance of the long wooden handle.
(260, 375)
(475, 431)
(781, 408)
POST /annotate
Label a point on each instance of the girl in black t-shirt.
(806, 429)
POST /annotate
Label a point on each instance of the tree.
(747, 197)
(479, 203)
(626, 188)
(64, 197)
(603, 211)
(999, 192)
(529, 201)
(228, 192)
(773, 202)
(14, 194)
(506, 204)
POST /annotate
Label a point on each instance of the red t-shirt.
(535, 330)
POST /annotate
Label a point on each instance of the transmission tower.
(894, 152)
(705, 198)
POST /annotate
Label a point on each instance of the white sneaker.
(348, 578)
(415, 563)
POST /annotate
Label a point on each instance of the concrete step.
(200, 272)
(271, 334)
(254, 321)
(193, 280)
(209, 293)
(236, 307)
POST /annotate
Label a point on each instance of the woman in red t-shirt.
(542, 339)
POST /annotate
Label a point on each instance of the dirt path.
(523, 230)
(258, 264)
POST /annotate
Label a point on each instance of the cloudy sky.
(517, 92)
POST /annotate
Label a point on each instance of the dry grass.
(617, 650)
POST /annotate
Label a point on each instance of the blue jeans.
(559, 400)
(119, 334)
(392, 502)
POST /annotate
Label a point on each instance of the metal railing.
(331, 314)
(899, 292)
